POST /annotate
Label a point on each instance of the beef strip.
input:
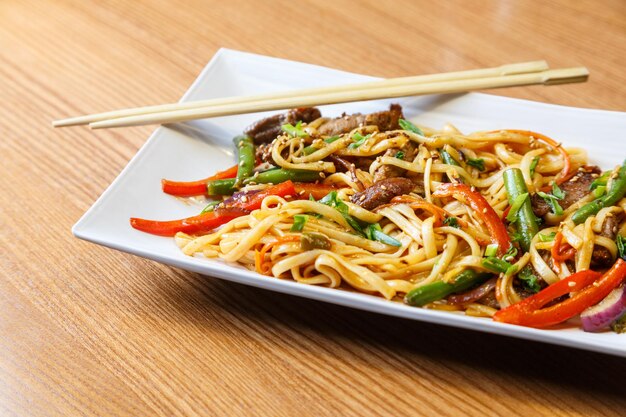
(575, 188)
(382, 192)
(601, 257)
(263, 153)
(385, 120)
(390, 171)
(266, 130)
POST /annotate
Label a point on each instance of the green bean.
(221, 187)
(612, 196)
(526, 222)
(272, 176)
(423, 295)
(246, 159)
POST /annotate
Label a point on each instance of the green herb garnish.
(491, 250)
(400, 155)
(621, 246)
(358, 140)
(533, 166)
(452, 222)
(333, 201)
(547, 238)
(374, 232)
(496, 264)
(529, 280)
(477, 163)
(210, 206)
(406, 125)
(551, 201)
(294, 131)
(299, 220)
(516, 206)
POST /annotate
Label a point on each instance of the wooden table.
(86, 330)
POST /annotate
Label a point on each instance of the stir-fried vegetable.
(588, 288)
(193, 188)
(428, 293)
(245, 148)
(521, 213)
(482, 208)
(210, 220)
(192, 225)
(272, 176)
(615, 193)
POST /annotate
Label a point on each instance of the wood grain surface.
(85, 330)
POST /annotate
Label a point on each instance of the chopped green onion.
(557, 192)
(332, 139)
(299, 220)
(477, 163)
(547, 238)
(533, 166)
(552, 202)
(496, 264)
(511, 270)
(517, 204)
(621, 246)
(491, 249)
(374, 232)
(210, 206)
(510, 254)
(400, 155)
(452, 222)
(294, 131)
(406, 125)
(359, 140)
(333, 201)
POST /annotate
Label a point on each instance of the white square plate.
(196, 149)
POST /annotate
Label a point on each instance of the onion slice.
(603, 314)
(473, 295)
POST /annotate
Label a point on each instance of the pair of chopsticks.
(525, 73)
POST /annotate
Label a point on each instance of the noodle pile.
(430, 248)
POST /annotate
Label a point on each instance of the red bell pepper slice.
(318, 191)
(244, 203)
(205, 222)
(592, 287)
(192, 188)
(201, 223)
(477, 202)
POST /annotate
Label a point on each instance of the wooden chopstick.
(510, 69)
(550, 77)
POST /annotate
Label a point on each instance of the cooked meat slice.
(601, 257)
(263, 153)
(575, 188)
(490, 300)
(385, 120)
(266, 130)
(390, 171)
(382, 192)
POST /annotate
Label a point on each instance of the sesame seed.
(288, 196)
(322, 175)
(571, 284)
(244, 199)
